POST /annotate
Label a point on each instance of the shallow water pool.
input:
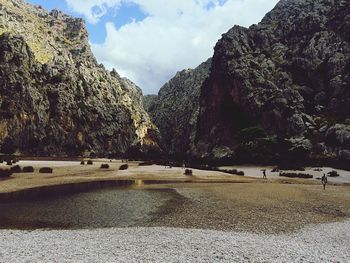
(97, 209)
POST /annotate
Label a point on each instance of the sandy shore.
(67, 172)
(322, 243)
(254, 171)
(72, 172)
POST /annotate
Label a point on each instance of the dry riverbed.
(207, 200)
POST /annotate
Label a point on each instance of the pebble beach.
(319, 243)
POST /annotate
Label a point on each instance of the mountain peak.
(53, 37)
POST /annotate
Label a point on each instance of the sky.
(148, 41)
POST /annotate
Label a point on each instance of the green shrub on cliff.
(262, 150)
(251, 134)
(8, 146)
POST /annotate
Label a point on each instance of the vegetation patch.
(124, 167)
(188, 172)
(333, 174)
(28, 169)
(297, 175)
(251, 133)
(148, 163)
(46, 170)
(275, 170)
(233, 171)
(90, 162)
(5, 173)
(104, 166)
(291, 167)
(16, 169)
(241, 173)
(255, 145)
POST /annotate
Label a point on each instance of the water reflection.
(139, 182)
(107, 208)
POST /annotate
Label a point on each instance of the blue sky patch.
(125, 14)
(212, 4)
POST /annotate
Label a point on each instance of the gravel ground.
(321, 243)
(258, 208)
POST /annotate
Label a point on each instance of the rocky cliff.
(148, 101)
(175, 110)
(282, 86)
(54, 97)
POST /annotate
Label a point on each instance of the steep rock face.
(175, 110)
(148, 101)
(289, 75)
(54, 98)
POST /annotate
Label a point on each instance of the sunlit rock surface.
(54, 97)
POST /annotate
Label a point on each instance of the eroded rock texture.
(175, 110)
(54, 97)
(289, 75)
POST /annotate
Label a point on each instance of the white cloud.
(176, 34)
(93, 10)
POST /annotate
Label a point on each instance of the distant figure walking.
(264, 174)
(324, 181)
(167, 164)
(183, 164)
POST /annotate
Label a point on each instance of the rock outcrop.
(175, 110)
(289, 76)
(54, 97)
(148, 101)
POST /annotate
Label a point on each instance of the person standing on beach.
(324, 181)
(264, 174)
